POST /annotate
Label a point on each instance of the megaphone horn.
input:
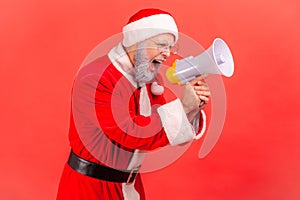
(217, 59)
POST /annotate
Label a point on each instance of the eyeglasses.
(166, 47)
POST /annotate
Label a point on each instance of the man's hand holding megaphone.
(195, 95)
(189, 71)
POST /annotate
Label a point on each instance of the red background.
(43, 43)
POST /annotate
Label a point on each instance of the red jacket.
(106, 128)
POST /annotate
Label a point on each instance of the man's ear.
(131, 51)
(131, 48)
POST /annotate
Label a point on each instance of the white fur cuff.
(176, 123)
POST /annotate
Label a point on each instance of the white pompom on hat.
(148, 23)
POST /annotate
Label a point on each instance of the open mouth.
(157, 61)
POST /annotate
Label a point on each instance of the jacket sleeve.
(103, 105)
(198, 120)
(110, 111)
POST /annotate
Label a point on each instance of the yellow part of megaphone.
(171, 74)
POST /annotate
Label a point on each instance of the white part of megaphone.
(217, 59)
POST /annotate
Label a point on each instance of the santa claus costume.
(113, 121)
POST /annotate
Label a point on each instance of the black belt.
(101, 172)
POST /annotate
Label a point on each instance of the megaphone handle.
(201, 103)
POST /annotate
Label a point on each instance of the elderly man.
(120, 110)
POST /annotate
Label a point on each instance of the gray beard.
(142, 64)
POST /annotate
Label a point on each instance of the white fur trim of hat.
(148, 27)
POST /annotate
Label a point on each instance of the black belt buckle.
(132, 175)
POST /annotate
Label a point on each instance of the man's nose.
(166, 52)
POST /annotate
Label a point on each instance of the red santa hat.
(147, 23)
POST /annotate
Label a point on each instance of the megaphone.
(217, 59)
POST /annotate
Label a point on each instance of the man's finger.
(205, 93)
(204, 98)
(201, 88)
(199, 78)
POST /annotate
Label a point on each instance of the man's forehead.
(166, 37)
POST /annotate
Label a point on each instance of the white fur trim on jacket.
(175, 123)
(195, 122)
(148, 27)
(129, 192)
